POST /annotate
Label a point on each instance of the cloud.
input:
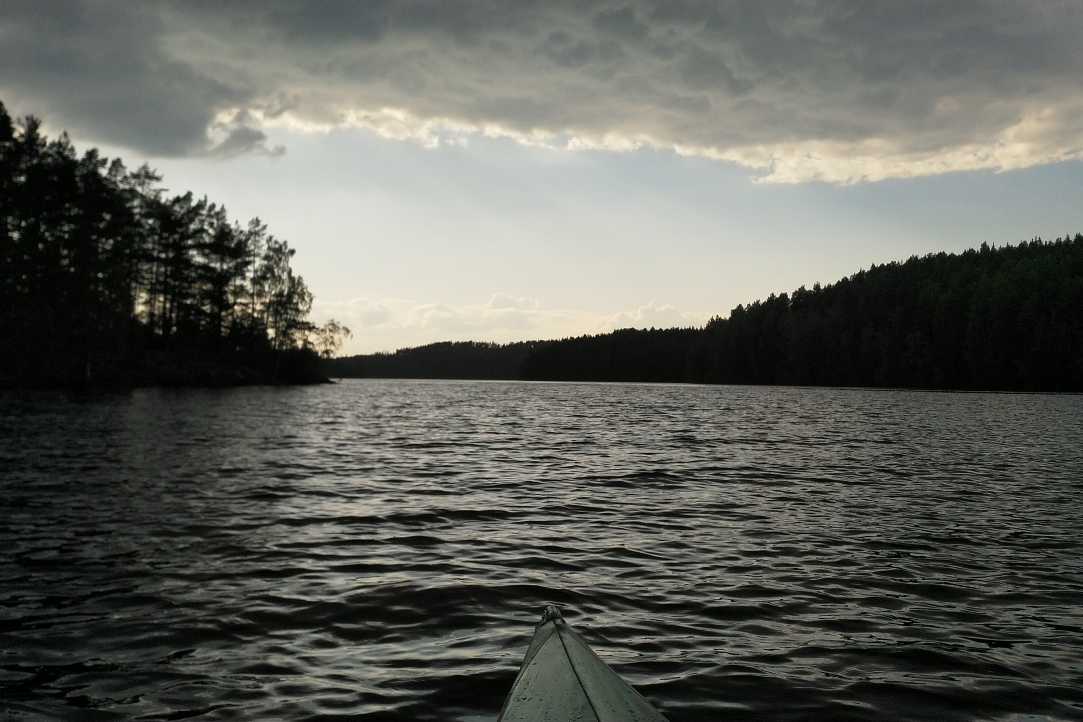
(387, 324)
(620, 22)
(651, 316)
(703, 71)
(796, 91)
(239, 137)
(98, 68)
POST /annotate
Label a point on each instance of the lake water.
(383, 549)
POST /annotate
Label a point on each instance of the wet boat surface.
(561, 678)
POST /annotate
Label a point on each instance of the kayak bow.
(562, 679)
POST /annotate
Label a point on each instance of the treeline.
(445, 360)
(1008, 318)
(655, 355)
(108, 280)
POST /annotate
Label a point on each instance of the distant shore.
(294, 368)
(988, 319)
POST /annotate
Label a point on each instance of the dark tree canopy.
(656, 355)
(1008, 318)
(444, 360)
(107, 280)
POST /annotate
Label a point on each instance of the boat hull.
(561, 678)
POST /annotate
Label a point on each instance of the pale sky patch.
(388, 324)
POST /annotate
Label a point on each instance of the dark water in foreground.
(382, 550)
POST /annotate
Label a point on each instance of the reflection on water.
(382, 549)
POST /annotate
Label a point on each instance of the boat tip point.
(551, 613)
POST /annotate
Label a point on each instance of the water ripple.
(381, 550)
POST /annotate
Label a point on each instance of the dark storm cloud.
(834, 90)
(240, 138)
(97, 66)
(334, 21)
(621, 23)
(702, 70)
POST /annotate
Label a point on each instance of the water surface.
(382, 550)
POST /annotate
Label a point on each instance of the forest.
(107, 280)
(1005, 319)
(444, 360)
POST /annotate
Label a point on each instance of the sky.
(528, 169)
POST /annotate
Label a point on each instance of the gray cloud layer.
(840, 91)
